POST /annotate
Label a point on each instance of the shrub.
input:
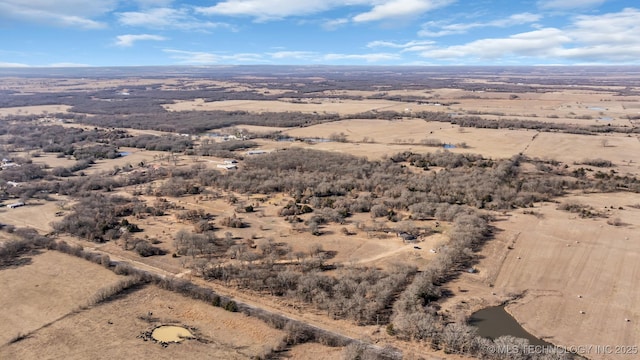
(231, 306)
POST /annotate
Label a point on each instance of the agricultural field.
(373, 217)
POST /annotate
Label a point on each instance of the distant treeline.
(196, 122)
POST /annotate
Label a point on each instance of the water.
(493, 322)
(283, 139)
(317, 140)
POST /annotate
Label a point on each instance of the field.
(580, 280)
(560, 248)
(63, 328)
(45, 290)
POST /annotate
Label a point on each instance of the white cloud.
(72, 13)
(265, 10)
(335, 23)
(612, 36)
(128, 40)
(569, 4)
(153, 3)
(204, 58)
(410, 46)
(297, 55)
(375, 57)
(443, 29)
(68, 65)
(531, 43)
(606, 38)
(166, 18)
(613, 28)
(400, 8)
(12, 65)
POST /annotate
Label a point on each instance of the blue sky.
(318, 32)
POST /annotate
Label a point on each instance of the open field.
(405, 135)
(327, 106)
(576, 276)
(34, 110)
(49, 287)
(112, 330)
(588, 266)
(35, 214)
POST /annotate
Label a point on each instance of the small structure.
(227, 166)
(256, 152)
(407, 237)
(15, 205)
(230, 161)
(6, 164)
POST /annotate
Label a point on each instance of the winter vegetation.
(135, 181)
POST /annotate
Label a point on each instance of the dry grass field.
(48, 288)
(574, 277)
(112, 329)
(37, 214)
(567, 265)
(34, 110)
(321, 106)
(405, 135)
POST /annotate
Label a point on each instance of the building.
(15, 205)
(227, 166)
(406, 237)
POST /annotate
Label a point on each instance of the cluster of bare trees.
(26, 135)
(361, 294)
(100, 217)
(197, 122)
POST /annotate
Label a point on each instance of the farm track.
(280, 308)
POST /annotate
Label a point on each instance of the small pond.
(171, 333)
(495, 321)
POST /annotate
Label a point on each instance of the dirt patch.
(171, 333)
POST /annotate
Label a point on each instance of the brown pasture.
(37, 214)
(50, 287)
(576, 277)
(112, 329)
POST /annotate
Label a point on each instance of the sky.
(67, 33)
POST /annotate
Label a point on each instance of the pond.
(171, 333)
(495, 321)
